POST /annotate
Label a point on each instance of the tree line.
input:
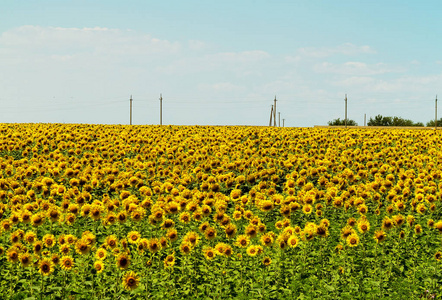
(380, 120)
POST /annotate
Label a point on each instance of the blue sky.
(218, 63)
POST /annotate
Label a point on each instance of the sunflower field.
(199, 212)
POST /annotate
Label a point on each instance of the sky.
(218, 62)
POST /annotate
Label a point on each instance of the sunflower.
(46, 267)
(251, 231)
(26, 216)
(154, 245)
(65, 249)
(363, 225)
(220, 248)
(167, 223)
(122, 216)
(353, 240)
(70, 219)
(293, 241)
(25, 259)
(322, 231)
(191, 238)
(110, 219)
(37, 220)
(438, 226)
(251, 251)
(266, 205)
(325, 222)
(49, 240)
(101, 254)
(133, 237)
(398, 220)
(242, 241)
(209, 253)
(387, 223)
(123, 261)
(172, 234)
(38, 247)
(351, 222)
(55, 259)
(266, 261)
(70, 239)
(159, 214)
(237, 215)
(138, 214)
(85, 210)
(14, 237)
(99, 266)
(410, 220)
(62, 239)
(339, 248)
(67, 263)
(96, 211)
(430, 223)
(124, 243)
(169, 261)
(185, 248)
(111, 241)
(421, 208)
(402, 234)
(210, 233)
(417, 229)
(266, 239)
(337, 202)
(230, 230)
(281, 242)
(13, 255)
(54, 214)
(307, 209)
(380, 236)
(82, 247)
(163, 242)
(130, 280)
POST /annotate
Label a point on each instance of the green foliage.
(339, 122)
(431, 123)
(380, 120)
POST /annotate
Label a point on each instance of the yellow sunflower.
(130, 280)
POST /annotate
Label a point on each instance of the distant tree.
(379, 120)
(339, 122)
(431, 123)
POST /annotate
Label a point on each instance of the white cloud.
(239, 62)
(346, 49)
(409, 86)
(354, 68)
(67, 43)
(221, 87)
(197, 45)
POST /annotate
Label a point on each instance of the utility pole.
(161, 109)
(365, 119)
(274, 113)
(130, 109)
(435, 115)
(345, 110)
(271, 114)
(283, 122)
(279, 119)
